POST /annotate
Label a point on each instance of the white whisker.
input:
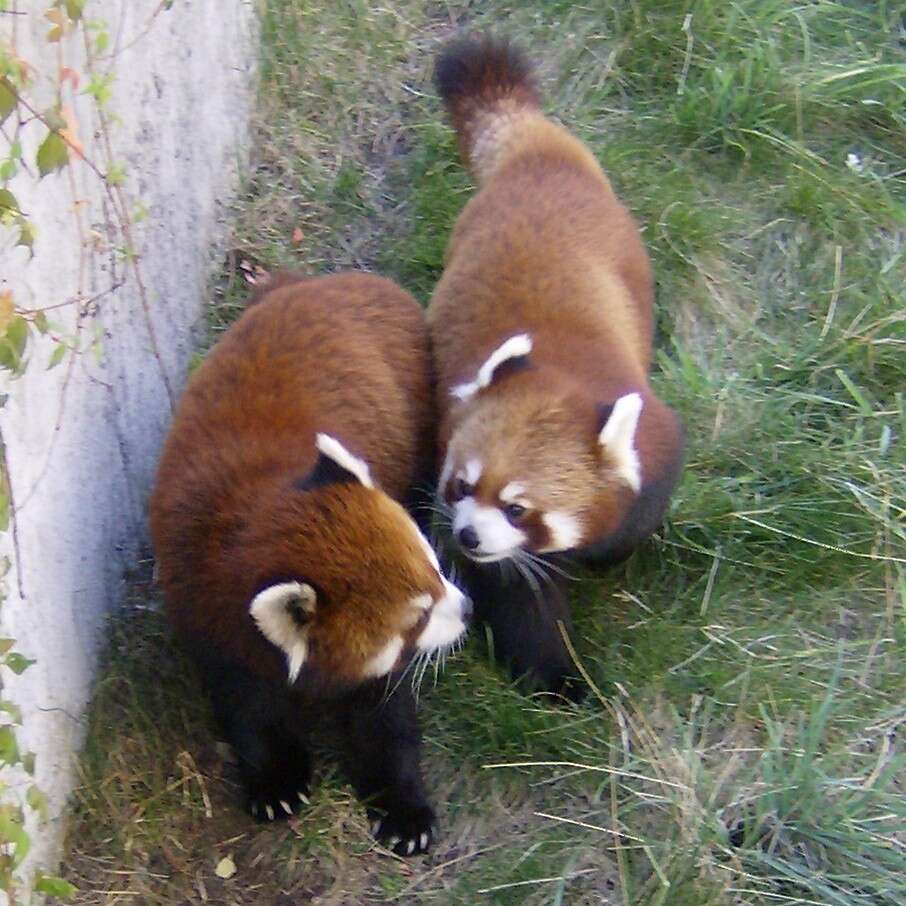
(547, 564)
(529, 578)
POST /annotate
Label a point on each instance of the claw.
(286, 807)
(269, 811)
(303, 798)
(410, 847)
(375, 827)
(392, 842)
(423, 841)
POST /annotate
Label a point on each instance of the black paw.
(407, 830)
(277, 802)
(556, 683)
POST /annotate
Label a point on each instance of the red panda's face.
(352, 590)
(511, 491)
(532, 469)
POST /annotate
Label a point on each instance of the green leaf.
(56, 887)
(56, 356)
(54, 119)
(37, 801)
(42, 325)
(12, 832)
(9, 746)
(74, 9)
(17, 333)
(6, 645)
(100, 87)
(27, 233)
(116, 174)
(52, 155)
(28, 762)
(18, 663)
(8, 203)
(7, 99)
(13, 710)
(12, 344)
(101, 42)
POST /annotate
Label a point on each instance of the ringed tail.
(487, 86)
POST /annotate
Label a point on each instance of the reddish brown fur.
(545, 248)
(345, 355)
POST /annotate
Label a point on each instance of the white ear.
(618, 438)
(280, 612)
(334, 450)
(513, 348)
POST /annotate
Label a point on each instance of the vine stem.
(124, 224)
(4, 461)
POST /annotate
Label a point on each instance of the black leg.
(257, 719)
(525, 622)
(383, 745)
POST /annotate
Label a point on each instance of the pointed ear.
(282, 612)
(617, 436)
(335, 465)
(511, 355)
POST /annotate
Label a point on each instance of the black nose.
(468, 538)
(468, 609)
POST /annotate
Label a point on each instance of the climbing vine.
(42, 138)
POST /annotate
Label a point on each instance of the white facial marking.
(473, 471)
(446, 623)
(497, 537)
(422, 602)
(618, 437)
(564, 529)
(513, 348)
(445, 474)
(512, 492)
(432, 556)
(384, 661)
(272, 610)
(333, 449)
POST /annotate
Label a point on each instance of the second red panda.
(551, 438)
(290, 569)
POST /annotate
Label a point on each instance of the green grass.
(749, 660)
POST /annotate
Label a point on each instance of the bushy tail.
(481, 80)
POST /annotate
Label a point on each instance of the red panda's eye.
(461, 488)
(514, 511)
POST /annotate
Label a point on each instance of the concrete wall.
(82, 439)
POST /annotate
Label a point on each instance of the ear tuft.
(281, 612)
(617, 437)
(335, 465)
(510, 355)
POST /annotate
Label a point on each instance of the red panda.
(297, 580)
(551, 438)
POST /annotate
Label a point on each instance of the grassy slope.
(749, 660)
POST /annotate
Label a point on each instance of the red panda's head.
(345, 584)
(533, 465)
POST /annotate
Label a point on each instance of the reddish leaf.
(71, 76)
(69, 132)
